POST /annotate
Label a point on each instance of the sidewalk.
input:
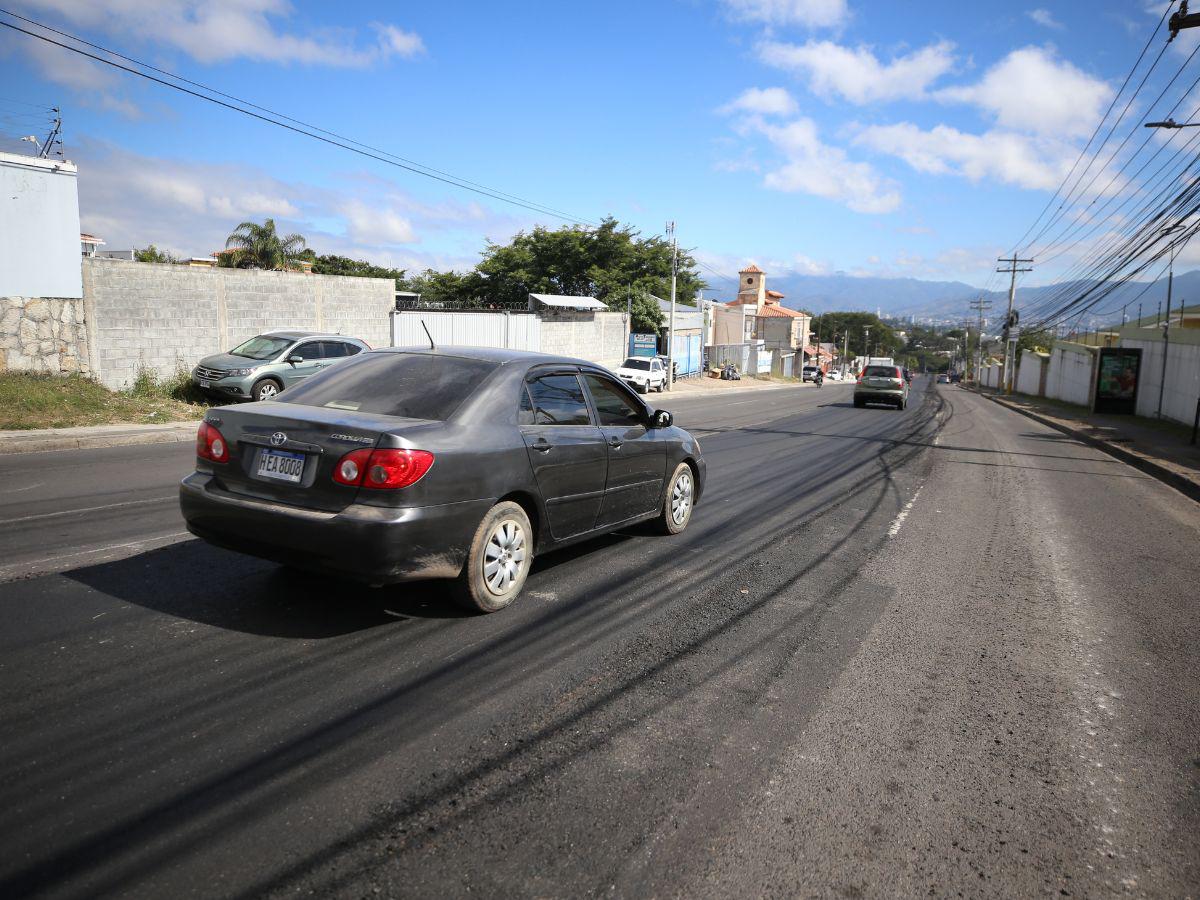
(1161, 449)
(92, 437)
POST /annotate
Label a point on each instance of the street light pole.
(671, 324)
(1162, 384)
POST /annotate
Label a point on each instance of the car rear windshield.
(881, 371)
(408, 385)
(635, 363)
(262, 347)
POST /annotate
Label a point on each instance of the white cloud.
(132, 200)
(218, 30)
(810, 13)
(856, 74)
(1011, 158)
(808, 266)
(1031, 90)
(812, 167)
(372, 225)
(1045, 18)
(773, 101)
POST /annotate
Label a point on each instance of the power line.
(282, 121)
(1099, 125)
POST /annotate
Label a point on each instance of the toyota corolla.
(457, 463)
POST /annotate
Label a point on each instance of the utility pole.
(979, 306)
(671, 324)
(845, 354)
(867, 342)
(1010, 320)
(1175, 248)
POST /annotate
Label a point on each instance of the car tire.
(267, 389)
(679, 500)
(491, 578)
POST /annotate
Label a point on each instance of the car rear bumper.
(368, 543)
(876, 395)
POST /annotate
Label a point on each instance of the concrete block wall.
(601, 337)
(43, 335)
(1071, 376)
(166, 317)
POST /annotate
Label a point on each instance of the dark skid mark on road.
(317, 752)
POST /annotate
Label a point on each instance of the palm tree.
(260, 247)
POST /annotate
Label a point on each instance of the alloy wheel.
(681, 497)
(503, 556)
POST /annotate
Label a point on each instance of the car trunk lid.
(286, 453)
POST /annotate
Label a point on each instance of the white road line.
(88, 509)
(902, 515)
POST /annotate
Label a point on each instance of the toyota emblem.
(278, 438)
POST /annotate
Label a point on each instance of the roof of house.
(775, 311)
(86, 238)
(775, 294)
(563, 301)
(753, 269)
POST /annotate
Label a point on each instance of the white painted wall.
(39, 228)
(1183, 379)
(1029, 373)
(1072, 373)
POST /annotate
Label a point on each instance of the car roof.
(295, 335)
(494, 354)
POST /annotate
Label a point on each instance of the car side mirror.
(295, 358)
(660, 418)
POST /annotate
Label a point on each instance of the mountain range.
(947, 301)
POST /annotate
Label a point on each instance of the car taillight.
(349, 469)
(382, 469)
(210, 444)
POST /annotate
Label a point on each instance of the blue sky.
(911, 139)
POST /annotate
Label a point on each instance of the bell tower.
(752, 286)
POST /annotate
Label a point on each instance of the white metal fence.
(511, 330)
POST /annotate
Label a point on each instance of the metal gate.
(511, 330)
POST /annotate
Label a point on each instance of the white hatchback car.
(643, 373)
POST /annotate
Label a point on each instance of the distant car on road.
(459, 463)
(834, 375)
(881, 384)
(943, 379)
(266, 364)
(643, 373)
(808, 373)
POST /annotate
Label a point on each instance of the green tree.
(329, 264)
(152, 254)
(257, 246)
(610, 262)
(884, 341)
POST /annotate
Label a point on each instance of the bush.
(179, 386)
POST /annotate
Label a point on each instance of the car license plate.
(204, 383)
(281, 465)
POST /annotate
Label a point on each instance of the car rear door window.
(408, 385)
(614, 404)
(558, 400)
(333, 350)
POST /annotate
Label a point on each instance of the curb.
(95, 437)
(1185, 486)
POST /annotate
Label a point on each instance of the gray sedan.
(457, 463)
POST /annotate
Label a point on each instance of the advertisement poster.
(1117, 380)
(643, 344)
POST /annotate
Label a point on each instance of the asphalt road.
(944, 651)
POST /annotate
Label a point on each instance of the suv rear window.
(882, 372)
(408, 385)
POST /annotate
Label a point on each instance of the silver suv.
(266, 364)
(881, 384)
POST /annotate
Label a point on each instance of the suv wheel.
(267, 389)
(498, 561)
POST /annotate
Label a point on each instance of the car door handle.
(541, 445)
(615, 443)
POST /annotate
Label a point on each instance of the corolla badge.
(278, 439)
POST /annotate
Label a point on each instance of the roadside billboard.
(643, 344)
(1117, 380)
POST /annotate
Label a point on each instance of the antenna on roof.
(428, 335)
